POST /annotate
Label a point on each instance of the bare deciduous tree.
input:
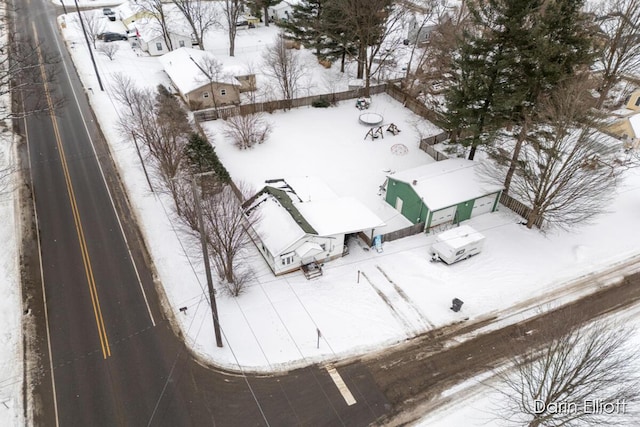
(160, 16)
(619, 42)
(159, 123)
(375, 26)
(567, 382)
(246, 131)
(93, 23)
(213, 73)
(226, 228)
(201, 16)
(109, 50)
(284, 66)
(23, 72)
(171, 131)
(232, 9)
(567, 171)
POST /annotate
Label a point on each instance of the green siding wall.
(412, 207)
(464, 211)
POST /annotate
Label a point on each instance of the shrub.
(321, 103)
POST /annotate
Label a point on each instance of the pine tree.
(515, 52)
(201, 157)
(260, 8)
(482, 94)
(558, 45)
(305, 25)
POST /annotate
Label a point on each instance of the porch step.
(311, 271)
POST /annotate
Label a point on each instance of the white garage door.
(483, 205)
(443, 215)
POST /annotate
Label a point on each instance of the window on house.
(287, 259)
(323, 246)
(205, 94)
(638, 101)
(223, 92)
(181, 43)
(158, 46)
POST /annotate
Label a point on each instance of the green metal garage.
(441, 192)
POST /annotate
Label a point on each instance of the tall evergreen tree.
(261, 8)
(559, 44)
(516, 52)
(201, 157)
(305, 25)
(482, 92)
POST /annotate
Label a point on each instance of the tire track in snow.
(407, 326)
(425, 322)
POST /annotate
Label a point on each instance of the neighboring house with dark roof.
(184, 67)
(302, 222)
(443, 192)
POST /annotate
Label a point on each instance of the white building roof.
(341, 215)
(446, 183)
(180, 65)
(459, 237)
(634, 121)
(277, 228)
(316, 204)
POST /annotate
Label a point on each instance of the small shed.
(449, 191)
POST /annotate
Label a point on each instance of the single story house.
(185, 66)
(301, 222)
(281, 11)
(441, 192)
(419, 28)
(152, 41)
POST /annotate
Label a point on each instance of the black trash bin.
(456, 304)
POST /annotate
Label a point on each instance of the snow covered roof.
(634, 121)
(338, 216)
(459, 237)
(446, 183)
(277, 228)
(291, 209)
(181, 66)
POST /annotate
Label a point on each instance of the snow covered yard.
(330, 144)
(11, 301)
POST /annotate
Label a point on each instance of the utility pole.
(207, 266)
(93, 60)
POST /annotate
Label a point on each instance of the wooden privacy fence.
(426, 145)
(412, 103)
(284, 104)
(404, 232)
(519, 208)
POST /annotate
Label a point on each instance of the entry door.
(399, 203)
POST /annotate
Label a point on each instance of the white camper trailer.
(456, 244)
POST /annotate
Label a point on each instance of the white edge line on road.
(342, 387)
(104, 180)
(44, 293)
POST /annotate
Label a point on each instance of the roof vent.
(415, 182)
